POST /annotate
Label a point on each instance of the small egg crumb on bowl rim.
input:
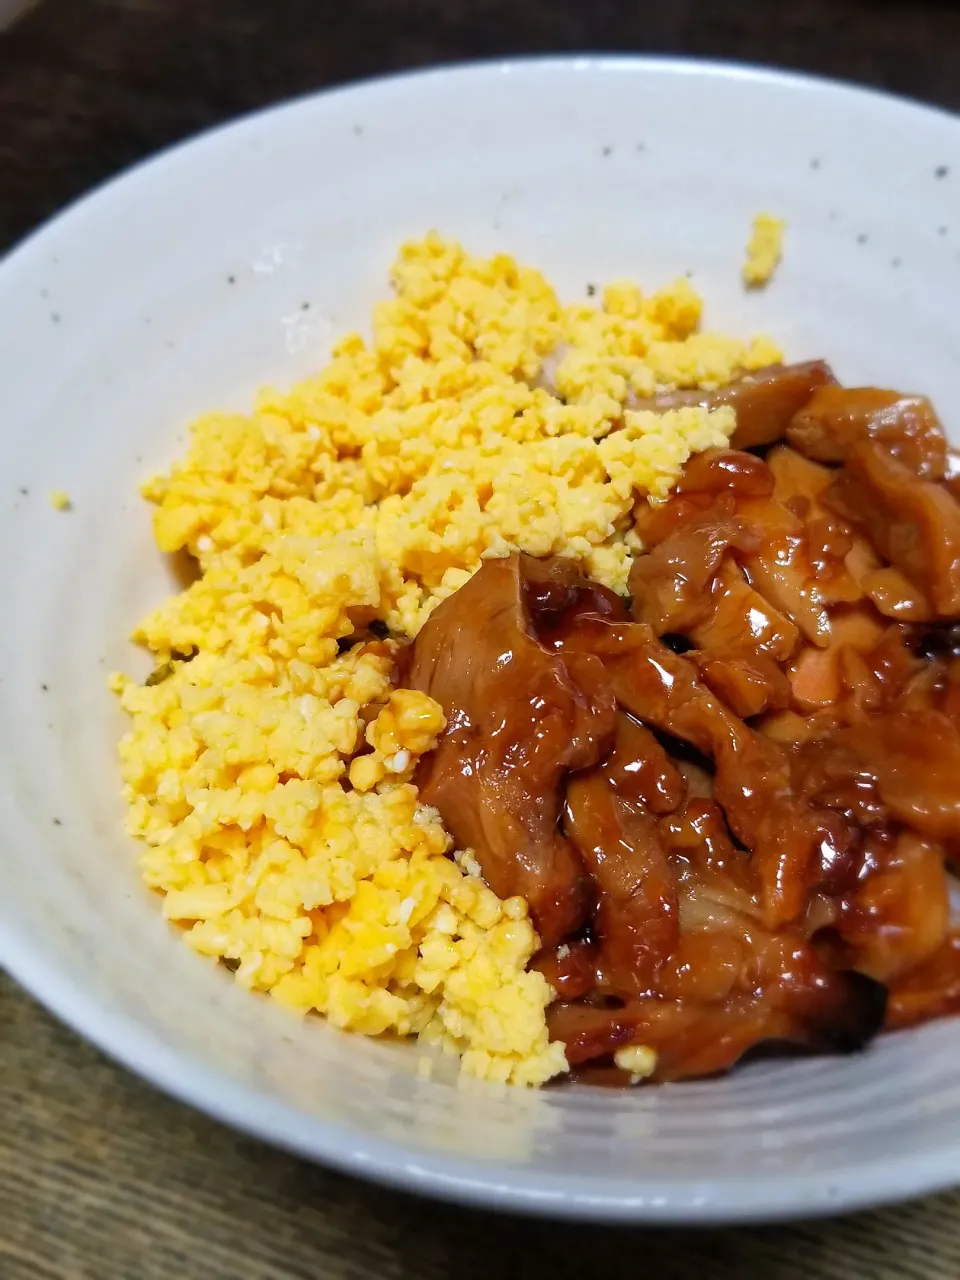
(764, 250)
(267, 767)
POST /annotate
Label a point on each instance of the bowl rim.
(491, 1185)
(720, 69)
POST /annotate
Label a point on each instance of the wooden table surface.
(102, 1178)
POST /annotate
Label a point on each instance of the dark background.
(100, 1177)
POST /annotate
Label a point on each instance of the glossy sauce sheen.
(731, 803)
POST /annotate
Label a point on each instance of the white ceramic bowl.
(178, 288)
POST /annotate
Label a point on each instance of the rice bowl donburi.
(318, 767)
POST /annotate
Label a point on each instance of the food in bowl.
(764, 250)
(563, 686)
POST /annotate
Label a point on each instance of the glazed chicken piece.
(930, 990)
(850, 579)
(519, 717)
(709, 484)
(640, 769)
(713, 875)
(765, 402)
(554, 587)
(572, 968)
(670, 586)
(689, 584)
(728, 506)
(914, 524)
(816, 1008)
(610, 817)
(836, 553)
(898, 915)
(895, 596)
(742, 621)
(780, 568)
(889, 676)
(911, 759)
(732, 471)
(819, 678)
(636, 921)
(836, 418)
(790, 839)
(748, 683)
(730, 983)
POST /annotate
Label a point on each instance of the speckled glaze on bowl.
(181, 287)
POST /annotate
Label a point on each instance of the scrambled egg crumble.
(269, 761)
(59, 500)
(764, 250)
